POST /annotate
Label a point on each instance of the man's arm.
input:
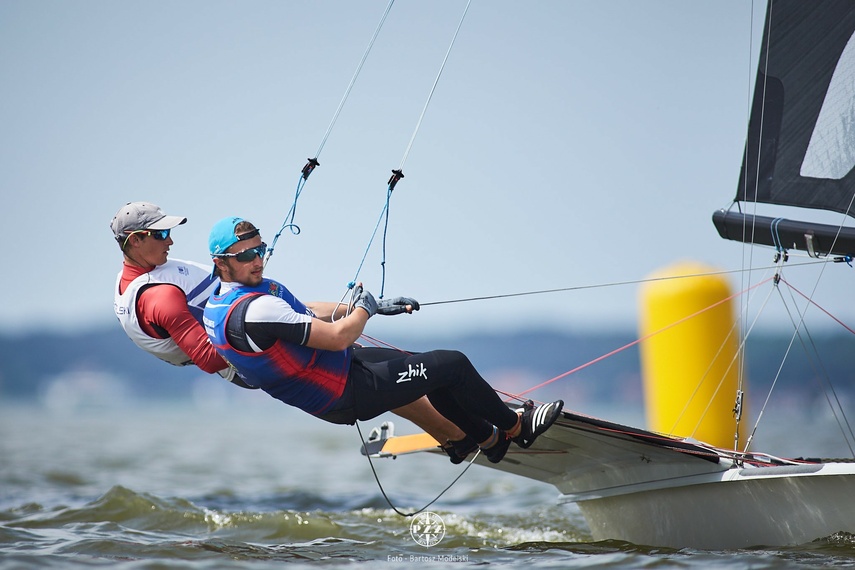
(337, 335)
(268, 319)
(325, 311)
(165, 306)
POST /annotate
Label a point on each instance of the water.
(252, 483)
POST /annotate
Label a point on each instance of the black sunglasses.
(247, 254)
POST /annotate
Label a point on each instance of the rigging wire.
(433, 88)
(824, 373)
(313, 162)
(745, 246)
(821, 374)
(383, 491)
(797, 327)
(735, 359)
(814, 303)
(613, 284)
(353, 79)
(639, 340)
(777, 374)
(398, 173)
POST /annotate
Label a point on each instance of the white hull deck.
(649, 489)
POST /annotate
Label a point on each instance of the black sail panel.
(801, 137)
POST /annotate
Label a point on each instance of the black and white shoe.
(536, 420)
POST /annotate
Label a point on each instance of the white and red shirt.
(160, 309)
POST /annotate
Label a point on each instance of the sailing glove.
(365, 300)
(397, 306)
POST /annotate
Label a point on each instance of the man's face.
(246, 272)
(149, 247)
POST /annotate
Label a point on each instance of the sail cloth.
(800, 149)
(806, 148)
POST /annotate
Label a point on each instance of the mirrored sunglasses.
(247, 254)
(159, 235)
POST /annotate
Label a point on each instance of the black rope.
(383, 491)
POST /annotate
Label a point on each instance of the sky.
(568, 144)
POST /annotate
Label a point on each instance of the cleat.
(458, 450)
(536, 420)
(497, 451)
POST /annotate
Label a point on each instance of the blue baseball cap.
(223, 236)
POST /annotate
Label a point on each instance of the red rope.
(521, 395)
(381, 344)
(635, 342)
(814, 303)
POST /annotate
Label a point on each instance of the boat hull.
(768, 506)
(647, 488)
(652, 489)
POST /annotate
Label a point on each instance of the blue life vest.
(307, 378)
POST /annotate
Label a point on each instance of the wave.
(147, 518)
(223, 530)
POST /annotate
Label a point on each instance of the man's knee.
(451, 356)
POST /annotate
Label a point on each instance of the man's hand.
(397, 306)
(365, 300)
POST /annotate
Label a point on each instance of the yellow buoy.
(690, 370)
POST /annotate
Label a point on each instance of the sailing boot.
(458, 450)
(536, 420)
(498, 446)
